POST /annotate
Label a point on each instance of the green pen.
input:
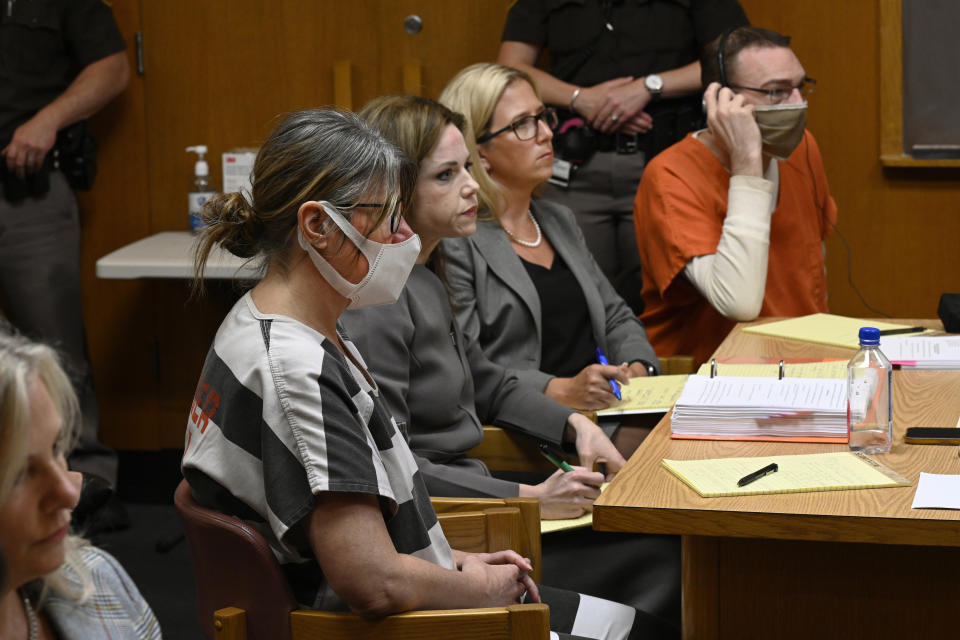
(556, 460)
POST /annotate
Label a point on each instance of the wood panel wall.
(119, 315)
(219, 72)
(902, 224)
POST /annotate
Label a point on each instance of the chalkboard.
(931, 82)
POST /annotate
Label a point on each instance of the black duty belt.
(622, 143)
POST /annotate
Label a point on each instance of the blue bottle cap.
(869, 336)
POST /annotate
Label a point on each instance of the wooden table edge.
(780, 526)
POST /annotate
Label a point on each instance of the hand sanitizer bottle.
(870, 396)
(200, 190)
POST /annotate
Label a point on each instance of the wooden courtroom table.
(833, 564)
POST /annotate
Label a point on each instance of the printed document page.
(765, 393)
(925, 352)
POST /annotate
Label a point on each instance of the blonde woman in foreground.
(56, 585)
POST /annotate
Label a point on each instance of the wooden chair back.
(676, 365)
(484, 525)
(234, 566)
(503, 450)
(242, 593)
(515, 622)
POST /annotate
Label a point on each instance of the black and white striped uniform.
(279, 415)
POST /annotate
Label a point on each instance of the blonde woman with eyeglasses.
(525, 285)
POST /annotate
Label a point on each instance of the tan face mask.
(781, 127)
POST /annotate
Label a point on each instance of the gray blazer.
(443, 388)
(497, 303)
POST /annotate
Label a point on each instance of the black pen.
(894, 332)
(554, 458)
(756, 475)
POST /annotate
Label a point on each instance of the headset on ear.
(721, 51)
(721, 65)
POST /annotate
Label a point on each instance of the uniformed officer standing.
(61, 61)
(627, 76)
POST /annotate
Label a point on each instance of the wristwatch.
(651, 370)
(654, 85)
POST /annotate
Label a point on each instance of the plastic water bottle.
(870, 396)
(200, 190)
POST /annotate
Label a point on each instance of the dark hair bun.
(234, 223)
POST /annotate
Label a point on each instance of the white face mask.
(781, 127)
(390, 265)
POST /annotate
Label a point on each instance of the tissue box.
(238, 170)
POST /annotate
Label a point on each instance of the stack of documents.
(819, 369)
(811, 409)
(922, 352)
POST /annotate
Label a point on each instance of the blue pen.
(602, 359)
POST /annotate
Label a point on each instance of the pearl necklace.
(33, 633)
(527, 243)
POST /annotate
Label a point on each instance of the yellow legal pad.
(586, 520)
(647, 395)
(822, 328)
(796, 474)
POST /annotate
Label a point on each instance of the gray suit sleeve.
(382, 335)
(502, 399)
(464, 478)
(459, 273)
(534, 378)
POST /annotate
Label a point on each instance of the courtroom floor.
(145, 486)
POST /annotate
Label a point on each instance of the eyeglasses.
(777, 96)
(395, 217)
(526, 128)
